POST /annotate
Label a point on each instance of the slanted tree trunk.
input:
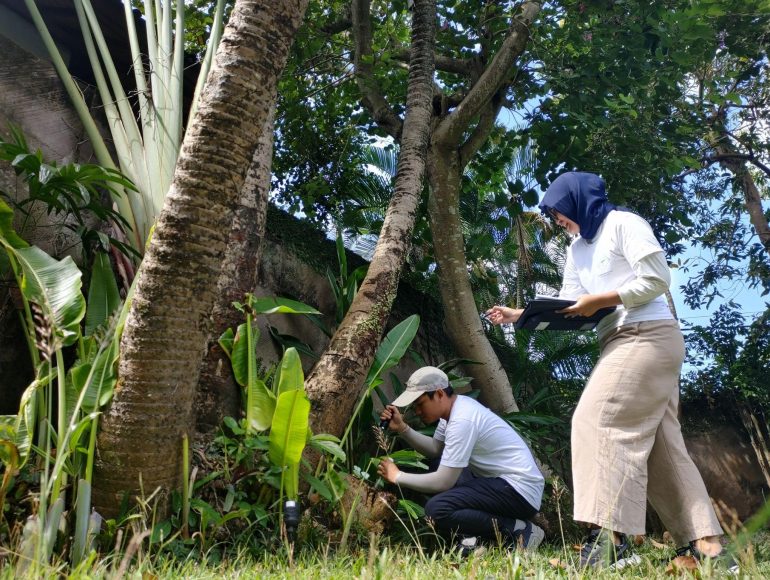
(218, 394)
(456, 138)
(164, 341)
(336, 380)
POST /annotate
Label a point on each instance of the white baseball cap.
(424, 380)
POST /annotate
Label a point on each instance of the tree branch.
(462, 66)
(345, 22)
(451, 129)
(481, 132)
(363, 59)
(751, 158)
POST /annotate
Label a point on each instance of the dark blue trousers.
(479, 506)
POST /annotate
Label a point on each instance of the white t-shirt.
(607, 263)
(477, 438)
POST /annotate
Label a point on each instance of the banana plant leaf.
(18, 429)
(291, 376)
(226, 342)
(273, 305)
(260, 406)
(393, 347)
(82, 513)
(54, 285)
(6, 227)
(288, 435)
(239, 353)
(98, 378)
(103, 294)
(287, 341)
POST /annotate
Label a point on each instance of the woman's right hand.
(503, 314)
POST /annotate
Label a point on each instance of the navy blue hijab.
(580, 197)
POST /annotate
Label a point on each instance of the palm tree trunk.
(336, 381)
(218, 394)
(164, 341)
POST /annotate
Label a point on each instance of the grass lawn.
(381, 560)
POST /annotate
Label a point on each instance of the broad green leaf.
(394, 346)
(329, 447)
(98, 378)
(9, 453)
(291, 376)
(273, 305)
(288, 341)
(78, 431)
(25, 421)
(226, 342)
(54, 285)
(288, 435)
(6, 227)
(408, 457)
(260, 406)
(103, 294)
(240, 353)
(318, 485)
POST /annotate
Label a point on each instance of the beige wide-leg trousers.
(627, 443)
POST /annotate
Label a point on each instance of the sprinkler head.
(291, 518)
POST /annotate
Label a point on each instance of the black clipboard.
(540, 314)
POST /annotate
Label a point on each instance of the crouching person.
(492, 500)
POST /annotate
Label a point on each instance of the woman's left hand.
(586, 305)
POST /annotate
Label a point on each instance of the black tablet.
(540, 314)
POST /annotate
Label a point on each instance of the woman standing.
(627, 444)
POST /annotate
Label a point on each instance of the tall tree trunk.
(745, 182)
(336, 380)
(454, 142)
(462, 318)
(164, 341)
(218, 394)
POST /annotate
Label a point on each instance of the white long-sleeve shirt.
(623, 256)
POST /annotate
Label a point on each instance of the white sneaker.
(530, 536)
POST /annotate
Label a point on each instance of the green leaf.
(413, 509)
(530, 197)
(240, 353)
(288, 435)
(103, 294)
(323, 490)
(272, 305)
(328, 447)
(408, 457)
(288, 341)
(393, 347)
(291, 377)
(260, 406)
(226, 342)
(54, 285)
(26, 421)
(98, 378)
(6, 227)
